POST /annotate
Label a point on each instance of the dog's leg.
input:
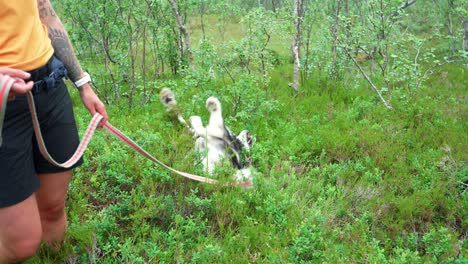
(197, 126)
(215, 127)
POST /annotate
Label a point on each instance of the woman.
(35, 48)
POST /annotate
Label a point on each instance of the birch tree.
(465, 36)
(184, 33)
(298, 15)
(334, 31)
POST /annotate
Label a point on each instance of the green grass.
(339, 177)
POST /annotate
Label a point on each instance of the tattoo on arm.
(64, 51)
(59, 39)
(45, 9)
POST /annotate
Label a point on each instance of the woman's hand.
(20, 86)
(92, 102)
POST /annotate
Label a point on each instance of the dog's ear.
(249, 139)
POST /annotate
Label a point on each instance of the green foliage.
(344, 180)
(308, 246)
(339, 178)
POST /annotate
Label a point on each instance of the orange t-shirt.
(24, 42)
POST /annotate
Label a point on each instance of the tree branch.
(387, 105)
(403, 7)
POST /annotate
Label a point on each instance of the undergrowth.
(339, 178)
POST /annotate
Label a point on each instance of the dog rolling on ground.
(215, 142)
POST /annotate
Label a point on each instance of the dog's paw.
(213, 104)
(167, 98)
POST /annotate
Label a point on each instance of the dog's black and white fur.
(216, 142)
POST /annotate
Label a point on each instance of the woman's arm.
(60, 40)
(64, 51)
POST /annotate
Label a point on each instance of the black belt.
(47, 76)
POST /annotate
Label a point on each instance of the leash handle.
(7, 82)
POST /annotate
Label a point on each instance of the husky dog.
(216, 142)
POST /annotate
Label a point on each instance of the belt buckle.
(37, 87)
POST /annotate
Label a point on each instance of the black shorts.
(20, 158)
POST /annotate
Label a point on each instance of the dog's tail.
(167, 98)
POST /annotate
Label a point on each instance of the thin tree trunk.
(183, 32)
(143, 66)
(450, 25)
(202, 12)
(465, 38)
(334, 31)
(307, 53)
(296, 42)
(132, 64)
(348, 26)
